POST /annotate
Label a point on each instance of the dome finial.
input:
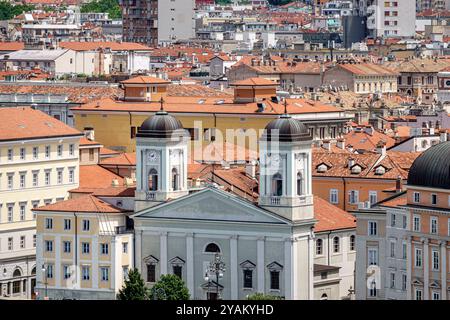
(161, 101)
(285, 106)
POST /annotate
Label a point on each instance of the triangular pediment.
(211, 204)
(247, 264)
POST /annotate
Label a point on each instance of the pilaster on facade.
(163, 250)
(260, 247)
(426, 269)
(190, 263)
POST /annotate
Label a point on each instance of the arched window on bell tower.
(299, 183)
(277, 185)
(153, 180)
(175, 179)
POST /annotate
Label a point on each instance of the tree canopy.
(262, 296)
(169, 287)
(9, 11)
(134, 287)
(110, 6)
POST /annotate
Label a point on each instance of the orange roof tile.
(95, 45)
(395, 201)
(86, 142)
(145, 80)
(368, 69)
(11, 46)
(254, 82)
(97, 177)
(27, 123)
(366, 141)
(331, 217)
(105, 151)
(85, 204)
(124, 159)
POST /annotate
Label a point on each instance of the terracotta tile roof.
(208, 106)
(397, 200)
(419, 65)
(331, 217)
(97, 177)
(216, 152)
(85, 204)
(365, 141)
(145, 80)
(254, 82)
(107, 192)
(237, 178)
(105, 151)
(287, 67)
(124, 159)
(86, 142)
(95, 45)
(11, 46)
(367, 69)
(76, 94)
(195, 90)
(27, 123)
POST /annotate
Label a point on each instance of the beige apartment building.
(38, 166)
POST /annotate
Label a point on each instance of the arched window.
(319, 246)
(175, 179)
(277, 185)
(299, 184)
(352, 242)
(336, 244)
(153, 180)
(324, 297)
(33, 271)
(212, 248)
(17, 273)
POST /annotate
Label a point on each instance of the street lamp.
(46, 282)
(217, 267)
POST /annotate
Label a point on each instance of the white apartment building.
(38, 166)
(388, 18)
(175, 20)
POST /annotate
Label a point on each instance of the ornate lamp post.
(217, 268)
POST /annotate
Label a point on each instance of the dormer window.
(356, 169)
(322, 168)
(380, 170)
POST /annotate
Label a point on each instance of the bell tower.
(161, 156)
(285, 170)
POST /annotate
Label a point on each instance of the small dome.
(432, 168)
(286, 129)
(161, 125)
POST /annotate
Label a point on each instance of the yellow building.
(38, 165)
(84, 249)
(245, 115)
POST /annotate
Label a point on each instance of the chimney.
(351, 162)
(398, 184)
(350, 148)
(340, 143)
(89, 133)
(250, 169)
(368, 130)
(381, 147)
(115, 182)
(444, 135)
(326, 145)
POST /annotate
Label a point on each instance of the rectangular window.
(35, 179)
(436, 295)
(433, 198)
(353, 197)
(66, 271)
(86, 225)
(125, 247)
(48, 223)
(418, 294)
(10, 154)
(334, 196)
(373, 289)
(392, 281)
(67, 246)
(47, 178)
(71, 175)
(48, 245)
(104, 271)
(60, 177)
(404, 250)
(34, 241)
(85, 247)
(416, 226)
(60, 150)
(47, 152)
(22, 212)
(372, 228)
(50, 271)
(433, 225)
(125, 271)
(274, 280)
(178, 271)
(404, 282)
(91, 154)
(104, 248)
(67, 224)
(10, 243)
(248, 279)
(10, 182)
(435, 260)
(10, 213)
(85, 273)
(418, 257)
(151, 273)
(392, 219)
(416, 196)
(22, 180)
(35, 153)
(405, 222)
(373, 196)
(372, 257)
(22, 242)
(392, 249)
(71, 149)
(22, 153)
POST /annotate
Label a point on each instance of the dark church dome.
(161, 125)
(432, 168)
(286, 129)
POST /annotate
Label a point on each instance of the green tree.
(9, 11)
(262, 296)
(134, 287)
(110, 6)
(169, 287)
